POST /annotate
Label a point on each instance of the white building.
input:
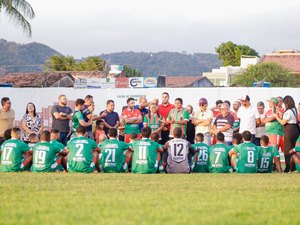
(222, 76)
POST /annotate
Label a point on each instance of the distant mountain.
(14, 56)
(170, 63)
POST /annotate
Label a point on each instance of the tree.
(68, 63)
(231, 53)
(274, 73)
(18, 11)
(130, 72)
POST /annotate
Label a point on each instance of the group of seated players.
(141, 156)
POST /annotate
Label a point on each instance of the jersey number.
(178, 152)
(111, 155)
(80, 148)
(6, 153)
(217, 157)
(202, 155)
(250, 157)
(142, 152)
(40, 157)
(264, 163)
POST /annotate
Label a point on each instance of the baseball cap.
(245, 98)
(274, 100)
(203, 101)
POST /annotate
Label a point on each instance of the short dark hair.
(246, 135)
(45, 136)
(219, 102)
(88, 97)
(4, 100)
(109, 101)
(133, 136)
(177, 132)
(179, 99)
(32, 136)
(81, 130)
(238, 137)
(15, 130)
(112, 132)
(146, 132)
(228, 102)
(220, 137)
(98, 122)
(155, 136)
(129, 99)
(54, 131)
(200, 136)
(7, 134)
(165, 93)
(264, 139)
(79, 101)
(247, 98)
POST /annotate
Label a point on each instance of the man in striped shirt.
(178, 117)
(224, 123)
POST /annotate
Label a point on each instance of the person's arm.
(42, 125)
(281, 121)
(138, 120)
(97, 149)
(278, 164)
(63, 152)
(257, 121)
(25, 128)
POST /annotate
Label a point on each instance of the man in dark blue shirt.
(111, 118)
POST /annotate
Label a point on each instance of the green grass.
(27, 198)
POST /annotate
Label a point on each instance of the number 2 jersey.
(81, 154)
(180, 153)
(113, 158)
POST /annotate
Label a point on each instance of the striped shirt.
(178, 115)
(153, 121)
(223, 121)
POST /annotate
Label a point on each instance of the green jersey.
(113, 158)
(153, 121)
(265, 159)
(144, 156)
(55, 142)
(44, 157)
(273, 127)
(81, 154)
(11, 157)
(219, 159)
(77, 117)
(178, 115)
(247, 157)
(200, 158)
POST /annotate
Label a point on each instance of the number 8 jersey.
(180, 152)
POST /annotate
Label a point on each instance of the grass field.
(27, 198)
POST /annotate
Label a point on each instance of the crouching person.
(47, 156)
(83, 153)
(15, 154)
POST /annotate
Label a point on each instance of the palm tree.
(18, 11)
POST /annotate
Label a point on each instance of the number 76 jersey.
(180, 152)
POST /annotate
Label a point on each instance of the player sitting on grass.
(180, 153)
(295, 158)
(244, 157)
(145, 153)
(155, 137)
(200, 159)
(83, 153)
(12, 154)
(44, 155)
(33, 139)
(266, 156)
(218, 156)
(113, 157)
(55, 135)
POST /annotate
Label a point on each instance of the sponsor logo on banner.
(108, 82)
(136, 82)
(80, 83)
(94, 83)
(150, 82)
(122, 82)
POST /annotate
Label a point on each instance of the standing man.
(260, 129)
(132, 118)
(88, 115)
(142, 107)
(223, 124)
(248, 116)
(110, 117)
(235, 106)
(7, 117)
(202, 121)
(61, 116)
(178, 117)
(163, 110)
(77, 119)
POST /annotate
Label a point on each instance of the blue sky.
(83, 28)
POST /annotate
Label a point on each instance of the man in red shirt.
(163, 110)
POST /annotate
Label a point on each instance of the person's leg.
(296, 160)
(253, 138)
(164, 137)
(26, 163)
(257, 141)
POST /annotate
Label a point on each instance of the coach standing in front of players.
(291, 128)
(249, 117)
(61, 116)
(7, 117)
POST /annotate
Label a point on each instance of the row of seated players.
(140, 156)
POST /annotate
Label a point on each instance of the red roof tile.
(290, 61)
(181, 81)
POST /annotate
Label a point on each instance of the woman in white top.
(290, 128)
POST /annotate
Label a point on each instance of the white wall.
(44, 97)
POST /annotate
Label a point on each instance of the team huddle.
(154, 142)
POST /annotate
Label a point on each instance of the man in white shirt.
(249, 116)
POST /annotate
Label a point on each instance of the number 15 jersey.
(180, 152)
